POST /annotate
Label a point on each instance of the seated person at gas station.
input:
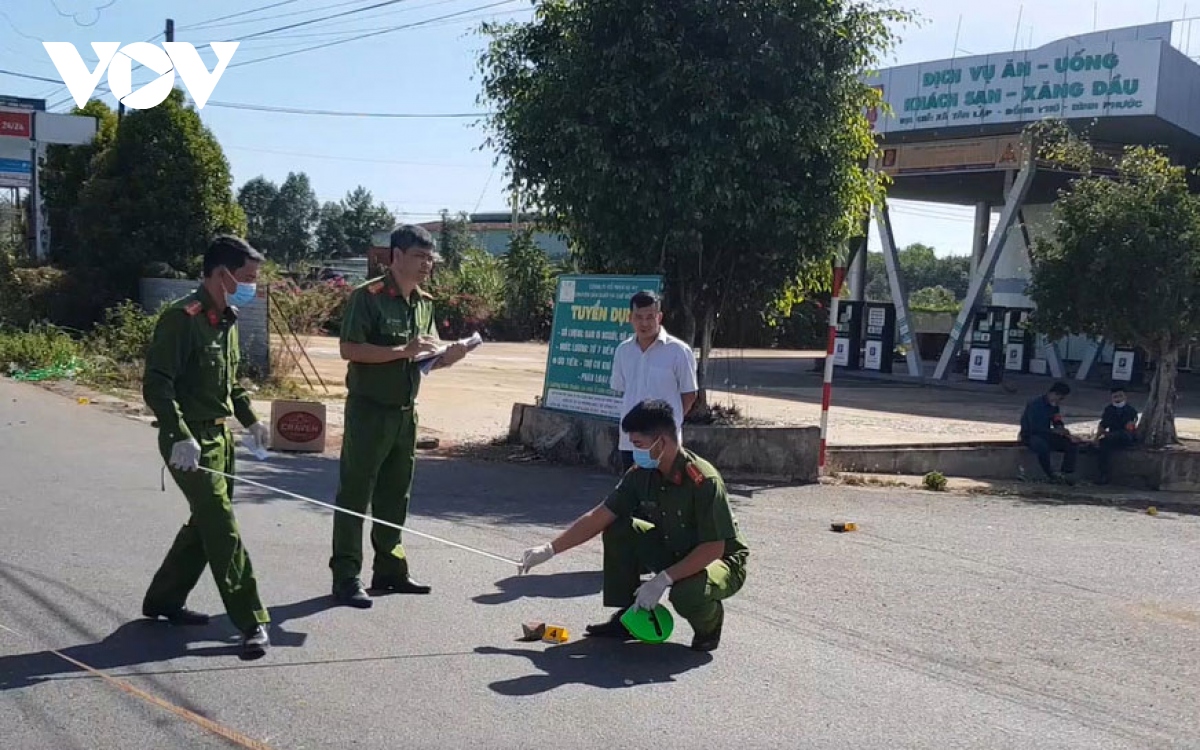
(668, 516)
(1117, 430)
(1043, 432)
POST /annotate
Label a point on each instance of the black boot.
(350, 592)
(255, 643)
(710, 640)
(612, 628)
(181, 616)
(398, 584)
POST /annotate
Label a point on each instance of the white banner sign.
(874, 358)
(841, 352)
(1084, 77)
(981, 360)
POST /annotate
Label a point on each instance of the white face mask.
(1119, 404)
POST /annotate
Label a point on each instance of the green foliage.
(362, 217)
(921, 269)
(469, 298)
(331, 238)
(63, 174)
(281, 221)
(125, 334)
(310, 309)
(158, 193)
(721, 143)
(1123, 263)
(529, 289)
(256, 198)
(934, 299)
(935, 481)
(455, 239)
(36, 347)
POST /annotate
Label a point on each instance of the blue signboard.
(16, 173)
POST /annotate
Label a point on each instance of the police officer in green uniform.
(387, 325)
(669, 516)
(191, 386)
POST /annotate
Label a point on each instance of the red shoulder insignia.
(696, 475)
(194, 308)
(375, 288)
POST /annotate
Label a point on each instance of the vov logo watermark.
(167, 60)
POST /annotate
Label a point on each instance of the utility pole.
(169, 33)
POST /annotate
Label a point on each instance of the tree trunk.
(1157, 426)
(707, 326)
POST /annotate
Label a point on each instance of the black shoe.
(255, 643)
(350, 592)
(710, 641)
(402, 584)
(181, 616)
(612, 628)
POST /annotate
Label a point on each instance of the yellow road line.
(220, 730)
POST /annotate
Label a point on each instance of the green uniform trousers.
(379, 453)
(633, 547)
(210, 537)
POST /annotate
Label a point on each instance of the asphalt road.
(943, 623)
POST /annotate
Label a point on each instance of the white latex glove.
(651, 591)
(536, 556)
(261, 434)
(185, 455)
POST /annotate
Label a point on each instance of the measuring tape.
(360, 515)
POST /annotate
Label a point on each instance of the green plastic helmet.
(649, 626)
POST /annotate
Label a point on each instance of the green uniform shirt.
(688, 506)
(191, 367)
(378, 314)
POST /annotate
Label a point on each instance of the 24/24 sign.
(171, 58)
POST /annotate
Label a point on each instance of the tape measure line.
(360, 515)
(209, 725)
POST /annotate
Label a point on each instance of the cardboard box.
(298, 426)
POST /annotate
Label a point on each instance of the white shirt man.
(652, 364)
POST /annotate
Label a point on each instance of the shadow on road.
(597, 663)
(556, 586)
(147, 642)
(445, 489)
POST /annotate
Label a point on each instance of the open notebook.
(429, 360)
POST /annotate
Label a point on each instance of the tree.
(455, 240)
(62, 175)
(1123, 263)
(331, 238)
(721, 143)
(256, 198)
(158, 194)
(361, 218)
(934, 299)
(529, 288)
(294, 215)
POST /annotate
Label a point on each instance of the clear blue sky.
(419, 166)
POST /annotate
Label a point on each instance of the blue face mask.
(641, 457)
(244, 295)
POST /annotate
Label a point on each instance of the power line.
(359, 37)
(364, 159)
(340, 113)
(30, 76)
(212, 22)
(259, 9)
(311, 21)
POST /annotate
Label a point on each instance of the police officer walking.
(669, 516)
(191, 385)
(387, 326)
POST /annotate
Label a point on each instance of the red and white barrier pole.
(839, 275)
